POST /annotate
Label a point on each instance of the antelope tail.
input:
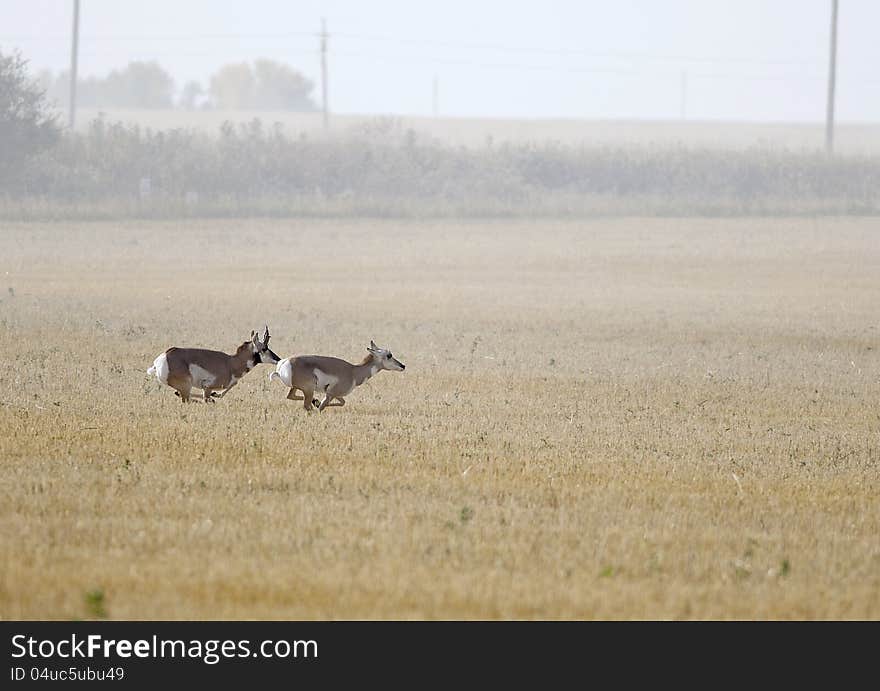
(274, 375)
(152, 370)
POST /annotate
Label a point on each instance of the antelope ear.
(266, 335)
(373, 346)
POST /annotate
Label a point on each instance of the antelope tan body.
(184, 369)
(332, 377)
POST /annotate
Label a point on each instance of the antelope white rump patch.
(160, 368)
(284, 371)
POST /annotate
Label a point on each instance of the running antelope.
(330, 376)
(184, 369)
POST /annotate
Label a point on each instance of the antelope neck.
(240, 362)
(364, 371)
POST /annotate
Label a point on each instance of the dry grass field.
(635, 418)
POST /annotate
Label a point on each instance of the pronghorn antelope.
(184, 369)
(330, 376)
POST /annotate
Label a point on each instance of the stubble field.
(631, 418)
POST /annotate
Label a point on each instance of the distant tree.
(268, 85)
(280, 87)
(138, 85)
(232, 87)
(28, 124)
(191, 96)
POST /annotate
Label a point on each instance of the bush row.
(114, 169)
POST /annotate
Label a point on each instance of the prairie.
(605, 418)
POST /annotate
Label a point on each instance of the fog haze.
(745, 60)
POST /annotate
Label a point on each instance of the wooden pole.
(832, 76)
(74, 55)
(326, 106)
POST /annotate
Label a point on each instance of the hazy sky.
(740, 59)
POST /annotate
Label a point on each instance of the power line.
(489, 65)
(567, 69)
(629, 70)
(175, 37)
(802, 77)
(442, 43)
(180, 54)
(474, 64)
(576, 51)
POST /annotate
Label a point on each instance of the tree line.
(113, 170)
(260, 85)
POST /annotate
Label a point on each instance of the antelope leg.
(225, 391)
(328, 402)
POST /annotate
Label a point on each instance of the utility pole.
(324, 73)
(436, 97)
(684, 93)
(74, 55)
(832, 75)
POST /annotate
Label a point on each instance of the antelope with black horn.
(184, 369)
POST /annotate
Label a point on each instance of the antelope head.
(260, 349)
(384, 359)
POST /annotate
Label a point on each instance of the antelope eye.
(388, 356)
